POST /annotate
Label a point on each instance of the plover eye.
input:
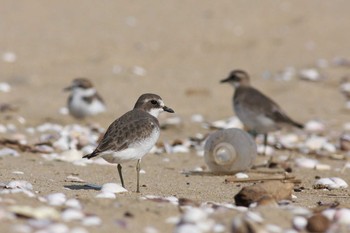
(154, 102)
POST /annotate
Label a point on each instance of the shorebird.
(132, 135)
(84, 100)
(258, 112)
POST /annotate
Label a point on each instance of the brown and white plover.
(132, 135)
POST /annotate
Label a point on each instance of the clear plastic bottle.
(229, 151)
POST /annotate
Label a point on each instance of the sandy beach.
(181, 51)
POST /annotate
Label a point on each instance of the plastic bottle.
(229, 151)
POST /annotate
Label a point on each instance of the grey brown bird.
(84, 99)
(258, 113)
(132, 135)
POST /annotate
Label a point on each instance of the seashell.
(56, 228)
(314, 126)
(91, 221)
(317, 223)
(113, 188)
(330, 183)
(21, 228)
(63, 111)
(42, 212)
(315, 143)
(272, 228)
(306, 162)
(180, 149)
(299, 223)
(289, 141)
(70, 155)
(8, 152)
(73, 203)
(241, 175)
(322, 167)
(56, 199)
(188, 228)
(74, 179)
(138, 70)
(345, 142)
(310, 75)
(18, 172)
(106, 195)
(19, 184)
(5, 87)
(78, 230)
(342, 216)
(9, 57)
(49, 127)
(329, 213)
(232, 122)
(72, 215)
(150, 229)
(254, 216)
(217, 228)
(198, 118)
(173, 220)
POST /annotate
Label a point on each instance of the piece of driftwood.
(16, 145)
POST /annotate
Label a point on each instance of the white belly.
(133, 152)
(80, 108)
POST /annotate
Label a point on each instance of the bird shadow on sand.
(83, 187)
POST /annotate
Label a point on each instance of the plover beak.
(224, 80)
(165, 108)
(68, 88)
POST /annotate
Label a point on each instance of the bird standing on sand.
(258, 113)
(84, 100)
(132, 135)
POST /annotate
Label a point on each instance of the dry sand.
(184, 49)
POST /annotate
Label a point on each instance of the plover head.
(152, 103)
(81, 85)
(237, 78)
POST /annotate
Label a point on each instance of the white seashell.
(232, 122)
(71, 155)
(253, 216)
(180, 149)
(78, 230)
(9, 57)
(331, 183)
(73, 203)
(329, 147)
(8, 152)
(138, 70)
(5, 87)
(112, 188)
(150, 229)
(241, 175)
(91, 221)
(106, 195)
(310, 74)
(63, 111)
(72, 215)
(75, 179)
(21, 228)
(342, 216)
(56, 228)
(56, 199)
(49, 127)
(315, 143)
(17, 172)
(3, 129)
(314, 126)
(194, 215)
(188, 228)
(217, 228)
(271, 228)
(197, 118)
(42, 212)
(289, 141)
(172, 121)
(306, 162)
(19, 184)
(322, 167)
(329, 213)
(299, 223)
